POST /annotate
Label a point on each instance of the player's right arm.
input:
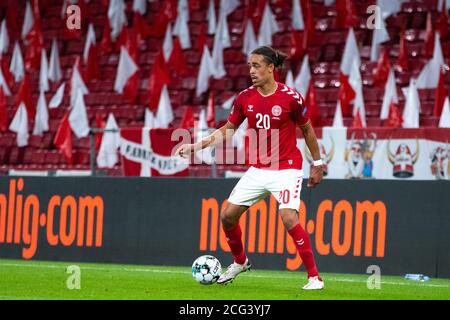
(217, 137)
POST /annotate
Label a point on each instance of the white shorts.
(256, 184)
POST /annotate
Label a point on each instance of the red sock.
(303, 244)
(234, 239)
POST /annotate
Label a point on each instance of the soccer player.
(273, 111)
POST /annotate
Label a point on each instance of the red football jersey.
(274, 119)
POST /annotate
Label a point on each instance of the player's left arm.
(316, 172)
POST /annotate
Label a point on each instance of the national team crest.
(276, 111)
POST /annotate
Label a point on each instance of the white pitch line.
(47, 266)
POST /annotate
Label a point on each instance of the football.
(206, 269)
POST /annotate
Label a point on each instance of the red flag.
(346, 14)
(201, 40)
(440, 95)
(92, 71)
(346, 94)
(310, 29)
(394, 119)
(357, 121)
(106, 43)
(381, 72)
(34, 48)
(188, 118)
(403, 60)
(429, 38)
(100, 124)
(442, 25)
(24, 94)
(312, 106)
(211, 111)
(3, 112)
(256, 13)
(177, 60)
(11, 15)
(167, 14)
(159, 77)
(297, 42)
(63, 138)
(140, 26)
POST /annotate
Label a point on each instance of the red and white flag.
(181, 27)
(355, 80)
(390, 95)
(140, 6)
(164, 114)
(17, 66)
(78, 117)
(24, 95)
(412, 107)
(56, 100)
(150, 120)
(28, 20)
(168, 43)
(43, 73)
(108, 155)
(126, 70)
(159, 77)
(250, 42)
(440, 95)
(206, 70)
(297, 16)
(63, 138)
(379, 36)
(338, 120)
(269, 26)
(444, 121)
(76, 82)
(19, 125)
(4, 38)
(41, 119)
(4, 84)
(351, 54)
(429, 76)
(54, 69)
(301, 82)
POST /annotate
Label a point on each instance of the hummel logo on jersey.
(250, 108)
(300, 242)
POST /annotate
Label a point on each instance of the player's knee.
(228, 218)
(289, 218)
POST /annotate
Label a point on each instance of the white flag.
(227, 104)
(250, 42)
(4, 38)
(389, 7)
(164, 114)
(351, 53)
(290, 79)
(28, 20)
(117, 17)
(181, 28)
(3, 84)
(206, 70)
(19, 125)
(228, 6)
(107, 155)
(54, 69)
(268, 28)
(41, 118)
(239, 136)
(301, 82)
(43, 74)
(202, 132)
(76, 82)
(127, 68)
(211, 18)
(90, 40)
(217, 55)
(338, 120)
(150, 120)
(429, 76)
(56, 100)
(444, 121)
(17, 67)
(78, 117)
(379, 36)
(412, 107)
(356, 83)
(390, 95)
(297, 16)
(140, 6)
(168, 43)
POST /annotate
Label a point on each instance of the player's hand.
(185, 150)
(315, 176)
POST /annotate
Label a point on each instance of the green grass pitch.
(27, 280)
